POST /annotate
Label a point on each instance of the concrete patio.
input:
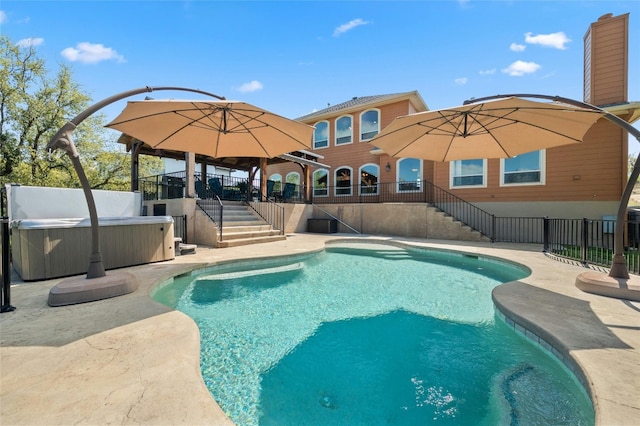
(131, 360)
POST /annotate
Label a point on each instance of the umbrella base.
(602, 284)
(81, 289)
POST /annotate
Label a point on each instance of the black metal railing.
(270, 211)
(518, 230)
(214, 209)
(591, 241)
(410, 192)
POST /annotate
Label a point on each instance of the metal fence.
(591, 241)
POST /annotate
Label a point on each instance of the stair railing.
(336, 218)
(271, 212)
(213, 208)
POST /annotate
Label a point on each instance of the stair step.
(246, 228)
(248, 241)
(249, 234)
(234, 223)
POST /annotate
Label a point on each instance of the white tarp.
(35, 202)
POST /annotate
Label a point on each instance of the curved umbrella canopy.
(492, 129)
(214, 128)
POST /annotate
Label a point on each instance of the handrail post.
(585, 237)
(6, 268)
(493, 228)
(545, 234)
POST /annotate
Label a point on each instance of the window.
(409, 174)
(321, 135)
(369, 174)
(277, 178)
(465, 173)
(343, 181)
(344, 131)
(523, 169)
(369, 124)
(320, 183)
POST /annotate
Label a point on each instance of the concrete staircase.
(452, 229)
(242, 226)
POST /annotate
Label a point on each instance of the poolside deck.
(130, 360)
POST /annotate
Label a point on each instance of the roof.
(358, 103)
(629, 109)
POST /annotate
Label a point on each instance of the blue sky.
(295, 57)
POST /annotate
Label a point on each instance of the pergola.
(305, 159)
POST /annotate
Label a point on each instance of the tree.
(34, 104)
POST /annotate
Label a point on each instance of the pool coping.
(128, 359)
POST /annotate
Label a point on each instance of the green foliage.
(34, 104)
(631, 163)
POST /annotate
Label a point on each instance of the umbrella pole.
(62, 140)
(618, 266)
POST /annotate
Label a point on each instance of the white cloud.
(251, 86)
(555, 40)
(520, 68)
(31, 41)
(488, 72)
(461, 81)
(91, 53)
(515, 47)
(349, 26)
(3, 17)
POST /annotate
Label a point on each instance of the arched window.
(277, 178)
(409, 174)
(369, 175)
(344, 130)
(321, 135)
(320, 183)
(343, 181)
(369, 124)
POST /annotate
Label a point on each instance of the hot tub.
(51, 248)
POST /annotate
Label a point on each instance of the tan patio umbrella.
(215, 128)
(491, 129)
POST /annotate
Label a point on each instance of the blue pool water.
(368, 335)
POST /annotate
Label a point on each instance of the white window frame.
(336, 143)
(313, 183)
(378, 123)
(418, 187)
(375, 186)
(277, 178)
(543, 171)
(335, 179)
(315, 146)
(452, 175)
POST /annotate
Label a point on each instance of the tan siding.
(609, 60)
(595, 164)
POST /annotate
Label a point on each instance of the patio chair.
(215, 186)
(287, 193)
(270, 185)
(201, 190)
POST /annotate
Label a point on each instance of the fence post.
(6, 268)
(545, 234)
(493, 228)
(585, 237)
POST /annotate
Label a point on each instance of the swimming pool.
(370, 334)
